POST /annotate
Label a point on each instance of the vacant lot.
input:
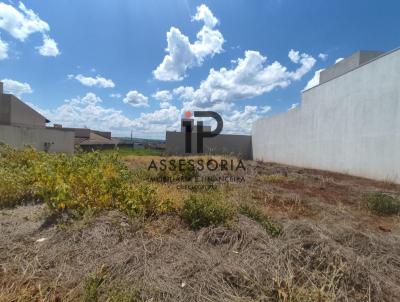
(282, 234)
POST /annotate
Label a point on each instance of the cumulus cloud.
(294, 56)
(3, 50)
(98, 81)
(21, 22)
(293, 106)
(250, 77)
(323, 56)
(163, 96)
(165, 117)
(265, 109)
(183, 55)
(240, 121)
(16, 88)
(314, 80)
(49, 47)
(89, 111)
(136, 99)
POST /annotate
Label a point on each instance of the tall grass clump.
(382, 204)
(204, 209)
(256, 214)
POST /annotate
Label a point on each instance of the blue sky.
(104, 64)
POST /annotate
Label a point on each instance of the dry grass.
(330, 247)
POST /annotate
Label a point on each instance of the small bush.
(256, 214)
(16, 177)
(82, 182)
(201, 210)
(382, 204)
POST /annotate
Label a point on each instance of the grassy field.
(102, 227)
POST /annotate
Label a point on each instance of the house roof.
(96, 139)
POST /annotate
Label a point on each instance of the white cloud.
(22, 22)
(314, 80)
(323, 56)
(98, 81)
(265, 109)
(182, 54)
(115, 95)
(251, 77)
(49, 47)
(240, 122)
(293, 106)
(163, 96)
(3, 50)
(88, 111)
(294, 56)
(166, 117)
(136, 99)
(338, 60)
(16, 88)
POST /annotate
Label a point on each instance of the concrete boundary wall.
(232, 144)
(350, 124)
(57, 140)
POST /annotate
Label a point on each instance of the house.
(88, 139)
(21, 126)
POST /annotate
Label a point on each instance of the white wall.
(18, 137)
(350, 124)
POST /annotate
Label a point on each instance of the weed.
(119, 295)
(256, 214)
(201, 210)
(92, 285)
(382, 203)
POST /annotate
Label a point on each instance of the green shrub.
(382, 204)
(201, 210)
(80, 182)
(83, 181)
(16, 177)
(256, 214)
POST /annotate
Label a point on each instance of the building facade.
(21, 126)
(222, 144)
